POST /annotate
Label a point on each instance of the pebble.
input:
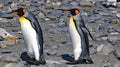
(14, 65)
(11, 57)
(86, 3)
(100, 48)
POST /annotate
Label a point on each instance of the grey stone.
(116, 64)
(14, 65)
(10, 57)
(108, 49)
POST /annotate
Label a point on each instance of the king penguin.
(79, 36)
(32, 35)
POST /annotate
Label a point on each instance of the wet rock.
(108, 49)
(9, 57)
(14, 65)
(116, 64)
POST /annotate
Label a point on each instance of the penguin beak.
(13, 12)
(66, 10)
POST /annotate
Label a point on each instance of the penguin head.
(74, 11)
(20, 12)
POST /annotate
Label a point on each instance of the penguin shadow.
(25, 57)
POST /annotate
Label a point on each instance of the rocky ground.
(104, 24)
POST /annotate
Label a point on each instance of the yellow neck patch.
(72, 21)
(23, 19)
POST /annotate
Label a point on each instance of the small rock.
(118, 14)
(108, 49)
(100, 48)
(86, 3)
(116, 64)
(9, 57)
(1, 6)
(14, 65)
(56, 4)
(8, 43)
(51, 52)
(41, 15)
(114, 21)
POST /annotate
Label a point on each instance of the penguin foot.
(25, 57)
(35, 62)
(83, 61)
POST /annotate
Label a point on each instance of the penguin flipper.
(88, 32)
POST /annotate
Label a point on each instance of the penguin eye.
(24, 10)
(76, 12)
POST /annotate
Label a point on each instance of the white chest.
(76, 40)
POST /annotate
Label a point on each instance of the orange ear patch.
(24, 10)
(76, 12)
